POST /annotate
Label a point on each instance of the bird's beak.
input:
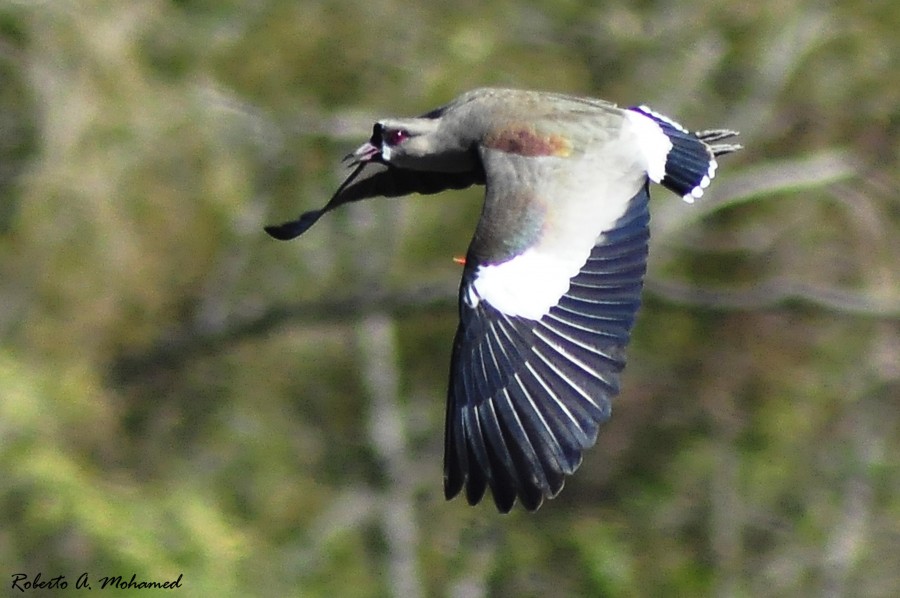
(367, 152)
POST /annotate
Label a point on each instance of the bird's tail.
(690, 163)
(711, 135)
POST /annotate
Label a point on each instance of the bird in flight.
(552, 278)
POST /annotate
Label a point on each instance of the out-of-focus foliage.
(180, 394)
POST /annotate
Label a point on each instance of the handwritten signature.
(23, 582)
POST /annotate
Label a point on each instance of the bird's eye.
(395, 136)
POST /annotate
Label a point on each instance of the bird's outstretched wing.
(376, 179)
(527, 396)
(545, 314)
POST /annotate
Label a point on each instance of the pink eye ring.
(395, 136)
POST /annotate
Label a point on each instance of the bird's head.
(415, 144)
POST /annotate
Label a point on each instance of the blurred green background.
(181, 394)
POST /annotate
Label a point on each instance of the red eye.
(395, 136)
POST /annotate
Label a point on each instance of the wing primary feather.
(615, 326)
(610, 310)
(562, 335)
(460, 467)
(548, 451)
(600, 295)
(571, 363)
(611, 279)
(582, 404)
(603, 264)
(564, 426)
(607, 377)
(595, 390)
(531, 473)
(455, 465)
(577, 353)
(504, 482)
(522, 406)
(455, 455)
(479, 476)
(532, 486)
(501, 471)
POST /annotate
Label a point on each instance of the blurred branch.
(473, 583)
(850, 536)
(850, 539)
(726, 511)
(774, 293)
(818, 170)
(349, 510)
(195, 341)
(727, 517)
(823, 168)
(378, 355)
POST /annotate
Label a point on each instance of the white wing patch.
(655, 145)
(528, 285)
(532, 282)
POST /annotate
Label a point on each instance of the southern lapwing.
(552, 278)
